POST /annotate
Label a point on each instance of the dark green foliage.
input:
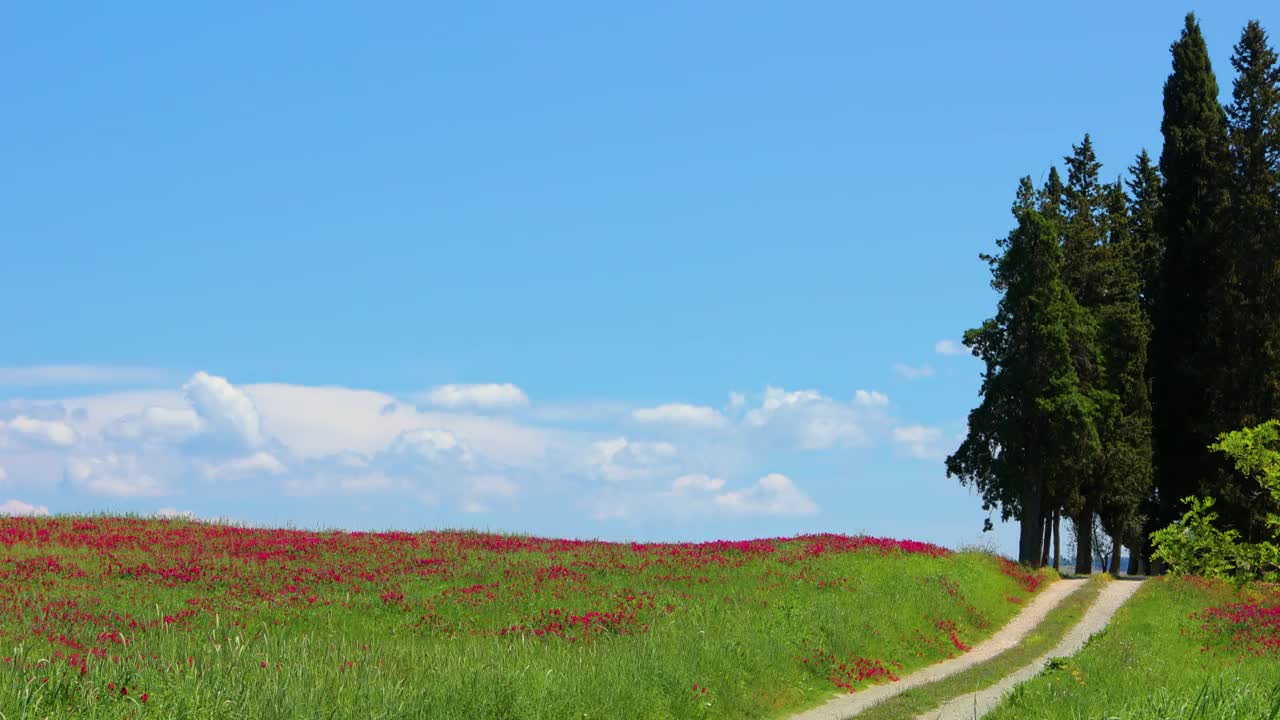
(1125, 473)
(1100, 269)
(1033, 432)
(1145, 189)
(1254, 131)
(1165, 301)
(1049, 199)
(1191, 323)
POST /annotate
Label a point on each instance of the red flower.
(142, 698)
(264, 663)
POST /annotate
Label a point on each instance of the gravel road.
(845, 706)
(977, 704)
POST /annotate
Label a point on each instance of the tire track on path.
(845, 706)
(977, 704)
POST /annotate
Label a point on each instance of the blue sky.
(430, 265)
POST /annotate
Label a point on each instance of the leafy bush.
(1194, 545)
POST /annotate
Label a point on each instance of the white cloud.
(773, 494)
(155, 425)
(26, 431)
(259, 463)
(697, 481)
(871, 398)
(950, 347)
(697, 416)
(433, 446)
(737, 400)
(920, 441)
(317, 422)
(620, 460)
(910, 372)
(171, 513)
(811, 421)
(40, 375)
(4, 475)
(482, 395)
(19, 508)
(226, 409)
(112, 474)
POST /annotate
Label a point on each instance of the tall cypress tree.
(1099, 270)
(1253, 392)
(1145, 190)
(1034, 424)
(1189, 319)
(1125, 471)
(1147, 244)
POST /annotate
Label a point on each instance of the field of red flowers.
(129, 617)
(1247, 627)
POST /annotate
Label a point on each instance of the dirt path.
(976, 704)
(847, 705)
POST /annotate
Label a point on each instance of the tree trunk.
(1044, 544)
(1057, 539)
(1029, 535)
(1084, 541)
(1115, 555)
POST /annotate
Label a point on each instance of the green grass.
(1157, 662)
(912, 703)
(291, 624)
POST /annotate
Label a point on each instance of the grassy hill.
(110, 617)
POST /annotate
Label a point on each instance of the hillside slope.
(168, 618)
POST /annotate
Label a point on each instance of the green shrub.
(1194, 545)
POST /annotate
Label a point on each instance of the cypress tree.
(1189, 317)
(1125, 472)
(1253, 392)
(1145, 188)
(1034, 424)
(1147, 252)
(1050, 198)
(1098, 270)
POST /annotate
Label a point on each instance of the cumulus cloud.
(41, 375)
(697, 481)
(482, 395)
(871, 399)
(15, 508)
(697, 416)
(301, 440)
(950, 347)
(812, 421)
(619, 459)
(911, 372)
(24, 431)
(920, 441)
(259, 463)
(159, 425)
(36, 410)
(773, 494)
(112, 474)
(317, 422)
(437, 447)
(225, 409)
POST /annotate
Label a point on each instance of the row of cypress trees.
(1137, 320)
